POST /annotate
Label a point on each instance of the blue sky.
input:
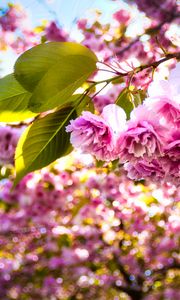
(65, 11)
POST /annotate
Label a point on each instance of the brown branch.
(157, 63)
(161, 271)
(134, 293)
(136, 70)
(165, 269)
(147, 31)
(125, 274)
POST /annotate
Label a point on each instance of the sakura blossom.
(143, 137)
(96, 134)
(164, 98)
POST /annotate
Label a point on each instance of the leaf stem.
(153, 65)
(136, 70)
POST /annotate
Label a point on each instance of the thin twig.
(147, 31)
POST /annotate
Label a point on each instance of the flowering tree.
(106, 229)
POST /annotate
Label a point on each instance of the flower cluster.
(97, 135)
(148, 144)
(13, 18)
(155, 139)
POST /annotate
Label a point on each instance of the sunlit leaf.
(139, 97)
(53, 71)
(43, 142)
(124, 102)
(14, 100)
(60, 82)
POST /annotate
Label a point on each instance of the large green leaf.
(60, 82)
(43, 142)
(124, 102)
(33, 64)
(14, 100)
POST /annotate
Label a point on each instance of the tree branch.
(134, 293)
(165, 269)
(147, 31)
(143, 67)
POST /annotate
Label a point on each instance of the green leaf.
(100, 163)
(35, 62)
(60, 82)
(14, 100)
(124, 101)
(139, 96)
(53, 71)
(64, 240)
(43, 142)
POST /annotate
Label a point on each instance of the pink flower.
(164, 98)
(172, 150)
(94, 43)
(14, 18)
(143, 137)
(144, 169)
(97, 135)
(82, 24)
(157, 170)
(55, 34)
(142, 79)
(122, 16)
(171, 170)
